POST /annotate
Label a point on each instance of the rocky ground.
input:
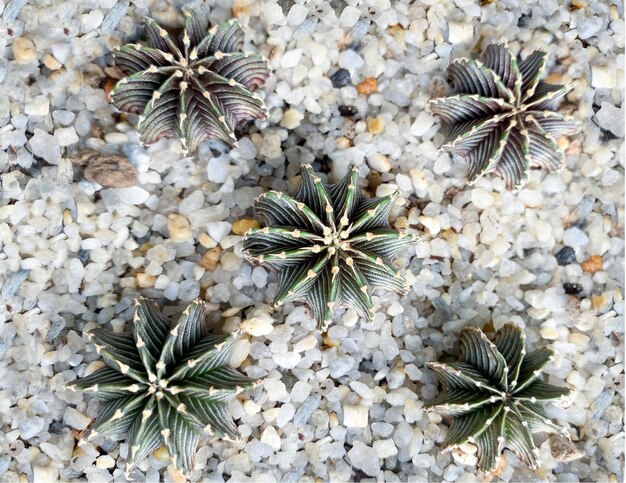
(346, 404)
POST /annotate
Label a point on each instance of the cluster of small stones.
(75, 254)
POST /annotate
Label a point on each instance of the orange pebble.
(368, 86)
(593, 264)
(109, 84)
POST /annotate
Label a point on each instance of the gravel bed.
(349, 87)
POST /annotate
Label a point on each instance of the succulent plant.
(196, 86)
(495, 395)
(330, 245)
(164, 384)
(501, 117)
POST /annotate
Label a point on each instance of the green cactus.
(495, 394)
(330, 245)
(164, 384)
(196, 86)
(501, 117)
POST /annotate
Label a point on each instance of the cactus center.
(337, 240)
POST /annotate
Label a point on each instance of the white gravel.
(347, 404)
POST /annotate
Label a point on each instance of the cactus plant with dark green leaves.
(164, 383)
(495, 395)
(195, 86)
(501, 117)
(330, 245)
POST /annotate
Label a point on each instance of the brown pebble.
(93, 79)
(240, 10)
(438, 87)
(107, 169)
(211, 258)
(144, 247)
(562, 448)
(374, 180)
(109, 84)
(593, 264)
(451, 192)
(368, 86)
(554, 78)
(375, 125)
(577, 4)
(145, 280)
(240, 227)
(598, 301)
(95, 131)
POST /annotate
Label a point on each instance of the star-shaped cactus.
(501, 117)
(164, 383)
(195, 87)
(330, 245)
(495, 395)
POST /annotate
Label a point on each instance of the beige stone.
(24, 50)
(51, 63)
(240, 227)
(179, 228)
(145, 280)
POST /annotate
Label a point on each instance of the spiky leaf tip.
(195, 86)
(330, 245)
(165, 383)
(500, 116)
(495, 395)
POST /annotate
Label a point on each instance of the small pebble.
(375, 125)
(368, 86)
(460, 32)
(572, 288)
(342, 142)
(271, 437)
(211, 258)
(355, 416)
(364, 458)
(206, 241)
(76, 419)
(51, 63)
(259, 324)
(385, 448)
(603, 77)
(291, 119)
(38, 106)
(423, 122)
(481, 198)
(379, 162)
(592, 264)
(349, 16)
(145, 280)
(297, 14)
(24, 50)
(107, 169)
(340, 78)
(348, 111)
(179, 228)
(105, 462)
(241, 227)
(565, 256)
